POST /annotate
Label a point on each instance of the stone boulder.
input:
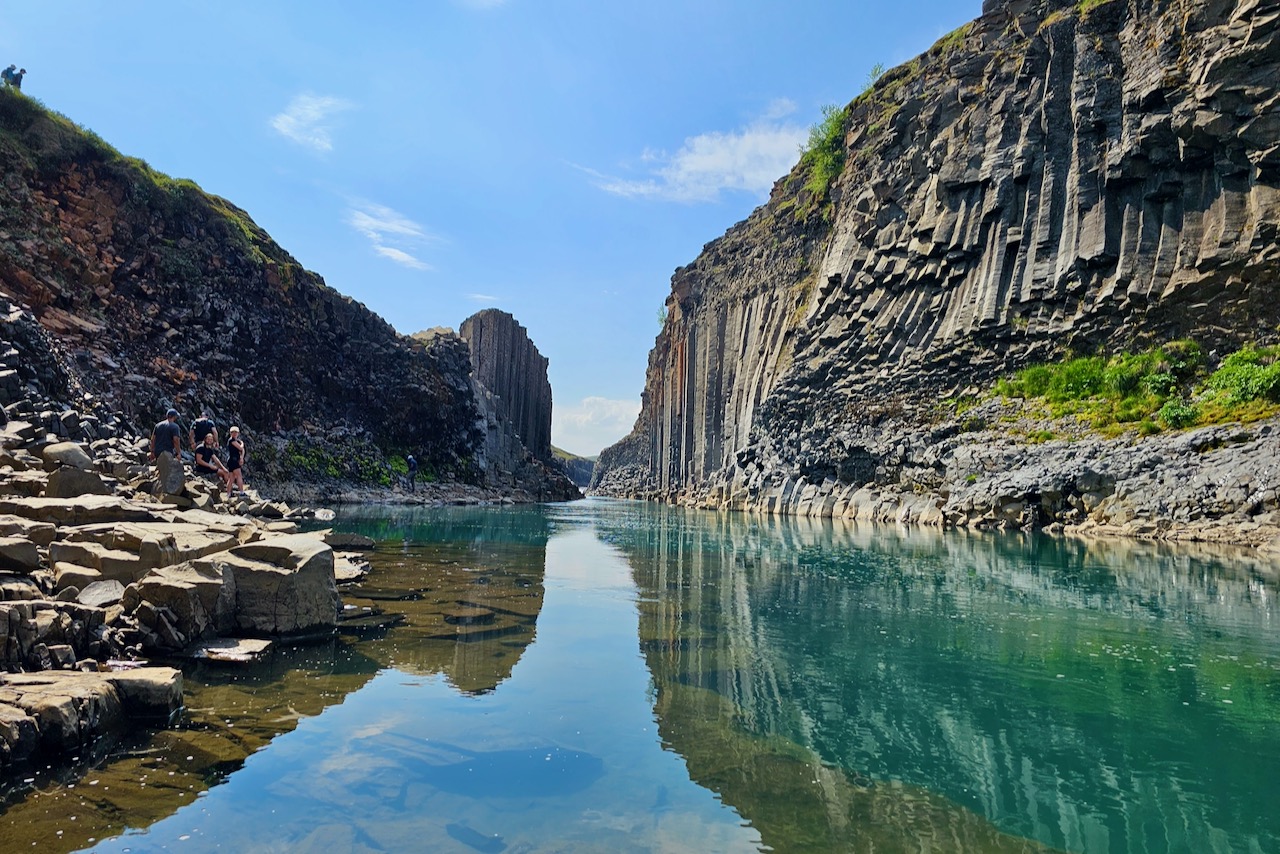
(100, 594)
(18, 554)
(283, 586)
(200, 597)
(69, 482)
(40, 533)
(67, 454)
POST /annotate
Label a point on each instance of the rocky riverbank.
(103, 574)
(1213, 484)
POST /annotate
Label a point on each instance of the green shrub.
(824, 152)
(1159, 384)
(1248, 374)
(1178, 413)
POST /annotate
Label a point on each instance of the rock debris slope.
(1056, 176)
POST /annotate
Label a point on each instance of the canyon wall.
(1048, 179)
(509, 376)
(155, 294)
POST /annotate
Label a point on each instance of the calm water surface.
(610, 676)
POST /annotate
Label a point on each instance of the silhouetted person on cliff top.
(13, 78)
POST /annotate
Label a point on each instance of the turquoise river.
(611, 676)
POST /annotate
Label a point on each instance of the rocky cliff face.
(157, 294)
(1050, 178)
(514, 395)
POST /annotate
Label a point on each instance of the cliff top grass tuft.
(47, 142)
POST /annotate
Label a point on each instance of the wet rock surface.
(1050, 179)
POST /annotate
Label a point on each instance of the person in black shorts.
(236, 458)
(209, 464)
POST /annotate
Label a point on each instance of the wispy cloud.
(592, 424)
(482, 298)
(748, 160)
(391, 233)
(306, 120)
(401, 257)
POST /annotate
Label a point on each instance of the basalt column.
(509, 366)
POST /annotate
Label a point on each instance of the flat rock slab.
(349, 541)
(82, 510)
(229, 650)
(99, 594)
(62, 710)
(67, 454)
(468, 616)
(348, 568)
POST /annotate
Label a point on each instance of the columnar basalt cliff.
(1055, 177)
(156, 294)
(514, 395)
(507, 363)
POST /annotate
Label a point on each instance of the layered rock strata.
(1053, 177)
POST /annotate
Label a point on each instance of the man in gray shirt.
(166, 445)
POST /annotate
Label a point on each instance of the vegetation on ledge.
(1168, 387)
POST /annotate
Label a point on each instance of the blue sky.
(557, 159)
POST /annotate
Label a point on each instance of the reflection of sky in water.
(845, 688)
(567, 751)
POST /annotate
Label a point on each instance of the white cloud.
(392, 233)
(593, 424)
(305, 120)
(401, 257)
(747, 160)
(482, 298)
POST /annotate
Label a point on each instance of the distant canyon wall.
(1047, 179)
(513, 393)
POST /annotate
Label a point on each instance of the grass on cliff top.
(1168, 387)
(47, 141)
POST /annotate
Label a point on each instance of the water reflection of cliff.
(1118, 697)
(231, 714)
(468, 581)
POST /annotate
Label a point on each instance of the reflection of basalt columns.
(779, 642)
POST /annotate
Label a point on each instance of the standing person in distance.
(236, 458)
(413, 473)
(165, 452)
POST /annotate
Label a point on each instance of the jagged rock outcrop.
(514, 395)
(1054, 177)
(153, 293)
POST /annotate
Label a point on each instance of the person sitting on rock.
(166, 446)
(209, 464)
(200, 428)
(236, 458)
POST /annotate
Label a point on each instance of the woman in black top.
(236, 457)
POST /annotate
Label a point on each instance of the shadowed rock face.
(513, 393)
(507, 363)
(1043, 179)
(156, 294)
